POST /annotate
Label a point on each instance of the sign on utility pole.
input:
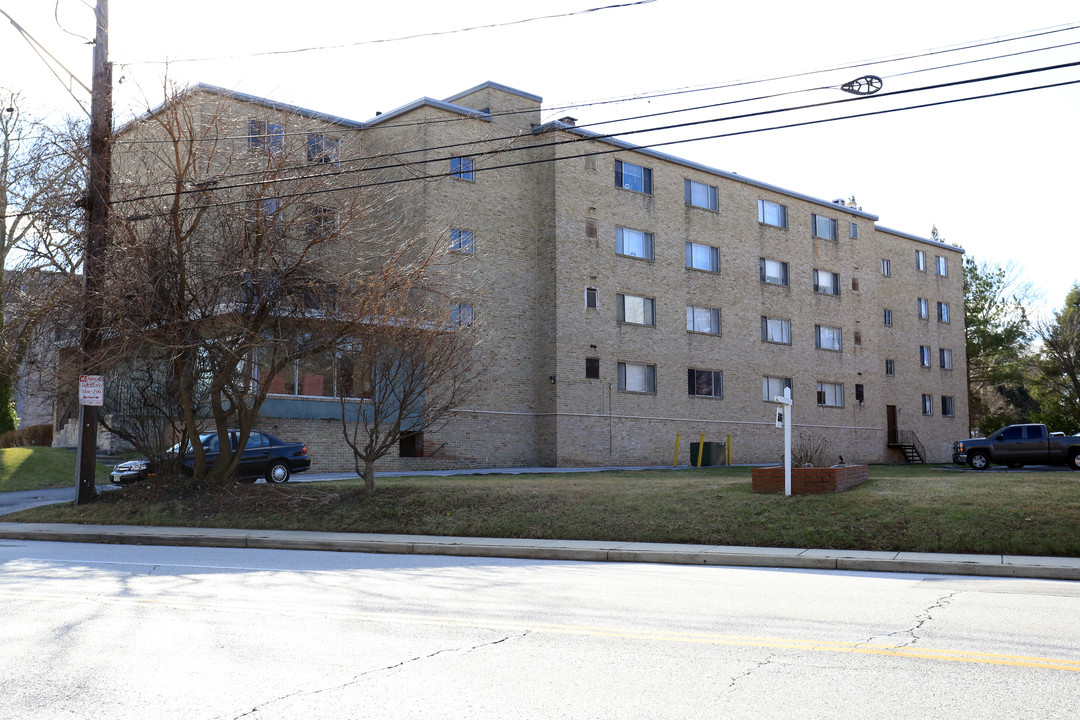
(97, 207)
(783, 416)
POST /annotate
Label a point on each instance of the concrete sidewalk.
(1052, 568)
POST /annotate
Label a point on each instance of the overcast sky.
(997, 176)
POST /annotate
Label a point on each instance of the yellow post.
(700, 449)
(675, 462)
(729, 449)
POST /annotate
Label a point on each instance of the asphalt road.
(92, 631)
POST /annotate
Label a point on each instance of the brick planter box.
(810, 481)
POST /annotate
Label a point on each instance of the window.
(860, 394)
(924, 356)
(927, 404)
(775, 330)
(920, 261)
(462, 168)
(268, 136)
(592, 368)
(411, 444)
(705, 383)
(888, 317)
(826, 283)
(941, 265)
(461, 241)
(323, 375)
(634, 310)
(857, 338)
(321, 223)
(886, 267)
(773, 387)
(946, 406)
(773, 272)
(633, 243)
(703, 319)
(827, 338)
(323, 150)
(923, 308)
(855, 284)
(461, 315)
(943, 312)
(945, 359)
(701, 195)
(592, 228)
(770, 213)
(636, 377)
(830, 394)
(890, 368)
(591, 299)
(633, 177)
(702, 257)
(853, 230)
(823, 227)
(263, 215)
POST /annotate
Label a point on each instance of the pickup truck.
(1019, 445)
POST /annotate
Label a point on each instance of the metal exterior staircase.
(908, 443)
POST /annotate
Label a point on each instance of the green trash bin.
(714, 454)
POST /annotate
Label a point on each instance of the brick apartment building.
(629, 295)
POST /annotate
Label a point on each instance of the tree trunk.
(369, 477)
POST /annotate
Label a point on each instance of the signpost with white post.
(783, 419)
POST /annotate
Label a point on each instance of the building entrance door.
(894, 431)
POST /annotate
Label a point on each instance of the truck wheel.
(978, 460)
(1074, 459)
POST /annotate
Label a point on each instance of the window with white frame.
(770, 213)
(924, 356)
(326, 374)
(637, 377)
(461, 241)
(705, 383)
(633, 243)
(920, 261)
(823, 227)
(461, 315)
(943, 312)
(591, 298)
(773, 272)
(923, 306)
(462, 168)
(853, 230)
(633, 177)
(941, 265)
(701, 195)
(886, 267)
(703, 319)
(773, 387)
(890, 368)
(887, 317)
(634, 309)
(702, 257)
(775, 330)
(266, 136)
(826, 283)
(945, 359)
(947, 406)
(323, 150)
(827, 337)
(927, 404)
(830, 394)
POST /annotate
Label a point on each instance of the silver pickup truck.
(1017, 446)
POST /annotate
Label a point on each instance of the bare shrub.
(809, 450)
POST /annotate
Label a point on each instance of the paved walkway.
(583, 550)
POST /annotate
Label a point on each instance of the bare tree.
(41, 183)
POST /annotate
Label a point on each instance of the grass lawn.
(36, 468)
(909, 508)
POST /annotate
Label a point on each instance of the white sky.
(997, 176)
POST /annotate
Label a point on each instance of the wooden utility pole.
(97, 228)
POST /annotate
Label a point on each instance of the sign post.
(91, 395)
(783, 416)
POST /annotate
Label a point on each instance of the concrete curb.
(1045, 568)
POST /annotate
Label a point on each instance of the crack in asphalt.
(920, 620)
(762, 663)
(356, 680)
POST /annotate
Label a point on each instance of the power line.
(437, 176)
(38, 48)
(595, 137)
(394, 39)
